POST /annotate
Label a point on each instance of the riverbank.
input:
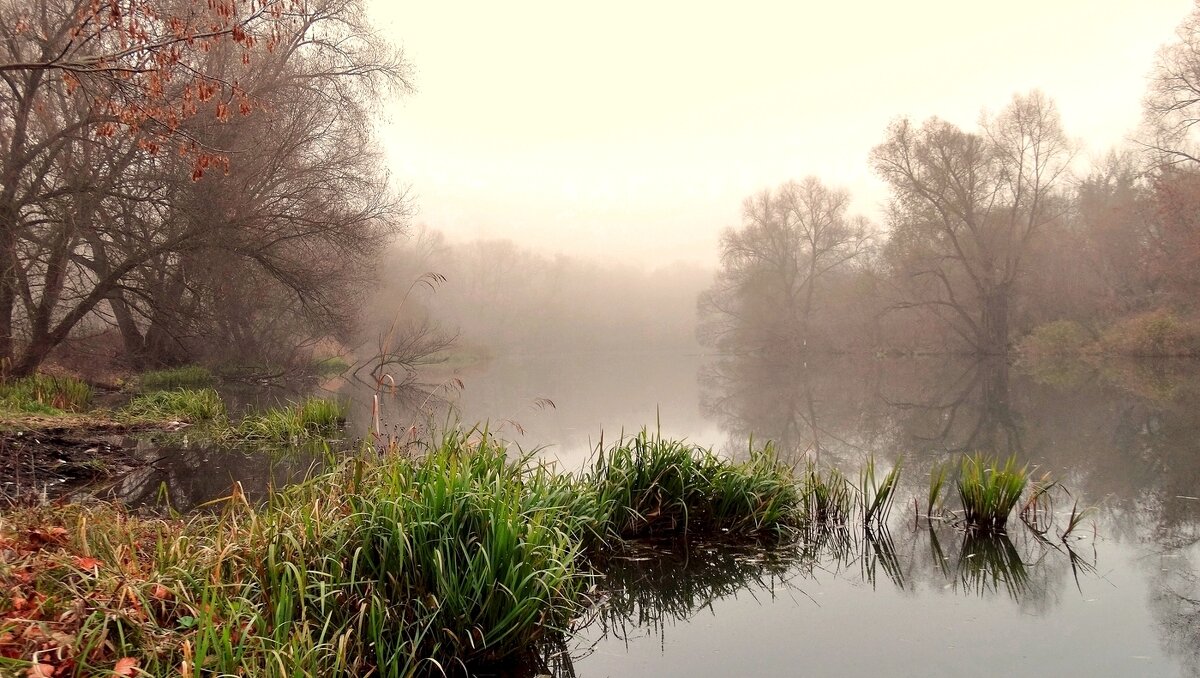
(60, 434)
(447, 556)
(440, 559)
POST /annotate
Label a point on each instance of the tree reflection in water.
(650, 588)
(1124, 436)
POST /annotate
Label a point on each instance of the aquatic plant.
(989, 491)
(294, 422)
(457, 553)
(193, 405)
(649, 485)
(188, 376)
(1075, 519)
(45, 394)
(469, 547)
(937, 484)
(877, 495)
(827, 497)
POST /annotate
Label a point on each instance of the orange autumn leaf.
(40, 671)
(87, 563)
(126, 666)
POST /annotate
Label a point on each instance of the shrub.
(1061, 337)
(1155, 334)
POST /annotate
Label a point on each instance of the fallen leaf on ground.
(126, 666)
(87, 563)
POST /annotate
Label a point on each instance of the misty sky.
(635, 129)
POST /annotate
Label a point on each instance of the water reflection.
(661, 592)
(1123, 436)
(650, 587)
(183, 476)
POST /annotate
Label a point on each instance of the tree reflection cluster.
(1124, 436)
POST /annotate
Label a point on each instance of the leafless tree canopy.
(794, 242)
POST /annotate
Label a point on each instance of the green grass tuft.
(194, 405)
(292, 423)
(990, 491)
(190, 376)
(331, 366)
(827, 497)
(648, 485)
(877, 495)
(45, 394)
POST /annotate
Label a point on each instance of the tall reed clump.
(647, 485)
(470, 556)
(989, 490)
(46, 394)
(188, 376)
(194, 405)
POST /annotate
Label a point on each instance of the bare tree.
(791, 241)
(968, 208)
(1172, 104)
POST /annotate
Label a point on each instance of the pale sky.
(635, 129)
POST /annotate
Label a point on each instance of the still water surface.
(1119, 599)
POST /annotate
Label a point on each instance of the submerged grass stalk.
(877, 496)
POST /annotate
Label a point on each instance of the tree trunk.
(993, 328)
(8, 287)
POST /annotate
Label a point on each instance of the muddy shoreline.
(44, 458)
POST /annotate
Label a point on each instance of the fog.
(490, 297)
(635, 131)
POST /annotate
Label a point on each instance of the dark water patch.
(187, 477)
(50, 463)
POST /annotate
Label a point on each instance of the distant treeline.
(991, 235)
(500, 297)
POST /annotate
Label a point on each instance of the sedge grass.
(877, 495)
(188, 376)
(649, 485)
(193, 405)
(937, 483)
(990, 490)
(295, 422)
(828, 498)
(45, 394)
(309, 419)
(439, 562)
